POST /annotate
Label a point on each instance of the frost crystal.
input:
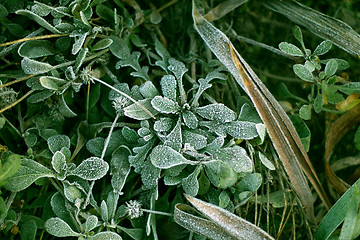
(133, 209)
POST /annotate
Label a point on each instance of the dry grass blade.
(318, 23)
(235, 226)
(341, 126)
(281, 130)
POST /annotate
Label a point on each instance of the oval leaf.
(331, 67)
(136, 110)
(303, 73)
(59, 228)
(41, 21)
(165, 157)
(291, 49)
(57, 142)
(216, 111)
(323, 47)
(30, 66)
(91, 169)
(36, 48)
(165, 105)
(107, 235)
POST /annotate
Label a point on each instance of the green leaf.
(224, 199)
(174, 138)
(57, 142)
(168, 87)
(59, 228)
(303, 131)
(119, 48)
(318, 102)
(236, 157)
(64, 108)
(58, 162)
(165, 105)
(119, 168)
(3, 11)
(303, 73)
(305, 112)
(105, 12)
(348, 88)
(163, 125)
(71, 191)
(197, 141)
(29, 172)
(28, 230)
(165, 157)
(41, 21)
(104, 211)
(79, 42)
(357, 138)
(148, 90)
(52, 83)
(190, 119)
(298, 35)
(136, 112)
(177, 67)
(80, 58)
(216, 111)
(30, 66)
(266, 161)
(220, 174)
(91, 223)
(331, 68)
(9, 167)
(36, 48)
(58, 206)
(348, 227)
(91, 169)
(323, 47)
(336, 215)
(251, 183)
(190, 184)
(291, 49)
(106, 235)
(241, 130)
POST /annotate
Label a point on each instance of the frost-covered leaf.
(190, 184)
(331, 68)
(95, 146)
(30, 66)
(106, 235)
(41, 21)
(79, 42)
(165, 157)
(205, 84)
(150, 175)
(251, 182)
(29, 172)
(122, 87)
(91, 223)
(36, 48)
(190, 119)
(241, 129)
(148, 90)
(197, 141)
(303, 73)
(177, 67)
(174, 138)
(119, 168)
(9, 167)
(64, 109)
(168, 87)
(90, 169)
(139, 157)
(129, 134)
(136, 110)
(266, 162)
(220, 174)
(236, 157)
(298, 35)
(58, 161)
(104, 211)
(249, 114)
(216, 111)
(323, 47)
(165, 105)
(57, 142)
(52, 83)
(71, 191)
(163, 125)
(59, 228)
(291, 49)
(348, 88)
(119, 48)
(80, 58)
(305, 112)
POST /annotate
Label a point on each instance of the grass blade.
(281, 130)
(318, 23)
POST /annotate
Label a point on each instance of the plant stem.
(109, 136)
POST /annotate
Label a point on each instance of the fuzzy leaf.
(216, 111)
(57, 142)
(165, 105)
(9, 167)
(323, 47)
(28, 173)
(148, 90)
(106, 235)
(305, 112)
(195, 140)
(174, 138)
(52, 83)
(266, 162)
(58, 161)
(136, 112)
(36, 48)
(291, 49)
(165, 157)
(119, 168)
(303, 73)
(177, 67)
(41, 21)
(90, 169)
(79, 42)
(91, 223)
(331, 68)
(236, 157)
(163, 125)
(190, 119)
(168, 87)
(348, 88)
(190, 184)
(220, 174)
(59, 228)
(30, 66)
(242, 129)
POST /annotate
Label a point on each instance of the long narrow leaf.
(222, 225)
(318, 23)
(281, 130)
